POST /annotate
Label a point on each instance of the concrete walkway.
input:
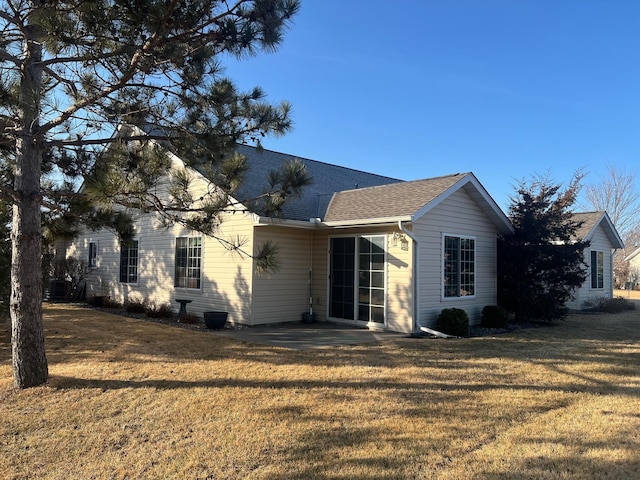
(304, 336)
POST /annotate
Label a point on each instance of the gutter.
(313, 223)
(369, 221)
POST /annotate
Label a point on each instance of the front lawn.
(134, 399)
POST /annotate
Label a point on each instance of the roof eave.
(261, 221)
(369, 221)
(632, 255)
(610, 231)
(494, 212)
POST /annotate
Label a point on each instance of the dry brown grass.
(630, 294)
(132, 399)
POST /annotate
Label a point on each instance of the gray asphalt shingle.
(327, 179)
(386, 201)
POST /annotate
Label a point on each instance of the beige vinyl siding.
(458, 215)
(399, 302)
(599, 242)
(101, 280)
(400, 308)
(226, 276)
(320, 282)
(283, 296)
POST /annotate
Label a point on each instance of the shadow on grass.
(435, 386)
(609, 341)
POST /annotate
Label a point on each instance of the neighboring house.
(634, 267)
(598, 229)
(364, 249)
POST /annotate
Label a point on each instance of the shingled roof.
(342, 195)
(327, 179)
(388, 201)
(590, 221)
(408, 201)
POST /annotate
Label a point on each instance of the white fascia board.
(369, 221)
(234, 205)
(632, 254)
(317, 223)
(618, 243)
(261, 221)
(499, 218)
(612, 233)
(588, 236)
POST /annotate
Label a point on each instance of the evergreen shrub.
(494, 316)
(454, 321)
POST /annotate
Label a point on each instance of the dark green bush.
(454, 321)
(494, 316)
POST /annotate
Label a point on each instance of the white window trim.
(591, 266)
(95, 258)
(137, 282)
(356, 267)
(189, 289)
(475, 270)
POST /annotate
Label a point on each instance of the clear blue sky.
(420, 88)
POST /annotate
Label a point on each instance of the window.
(93, 254)
(597, 269)
(129, 262)
(343, 261)
(371, 283)
(188, 262)
(459, 269)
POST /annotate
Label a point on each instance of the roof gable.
(409, 201)
(634, 253)
(327, 179)
(590, 223)
(387, 201)
(344, 195)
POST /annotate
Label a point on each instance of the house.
(598, 229)
(634, 267)
(358, 248)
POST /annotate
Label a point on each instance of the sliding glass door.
(357, 278)
(342, 277)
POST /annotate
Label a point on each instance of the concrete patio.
(305, 336)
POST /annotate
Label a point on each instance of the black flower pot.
(308, 317)
(215, 320)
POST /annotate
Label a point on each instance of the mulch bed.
(174, 321)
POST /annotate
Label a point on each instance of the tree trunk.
(27, 334)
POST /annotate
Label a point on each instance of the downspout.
(416, 297)
(311, 272)
(611, 286)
